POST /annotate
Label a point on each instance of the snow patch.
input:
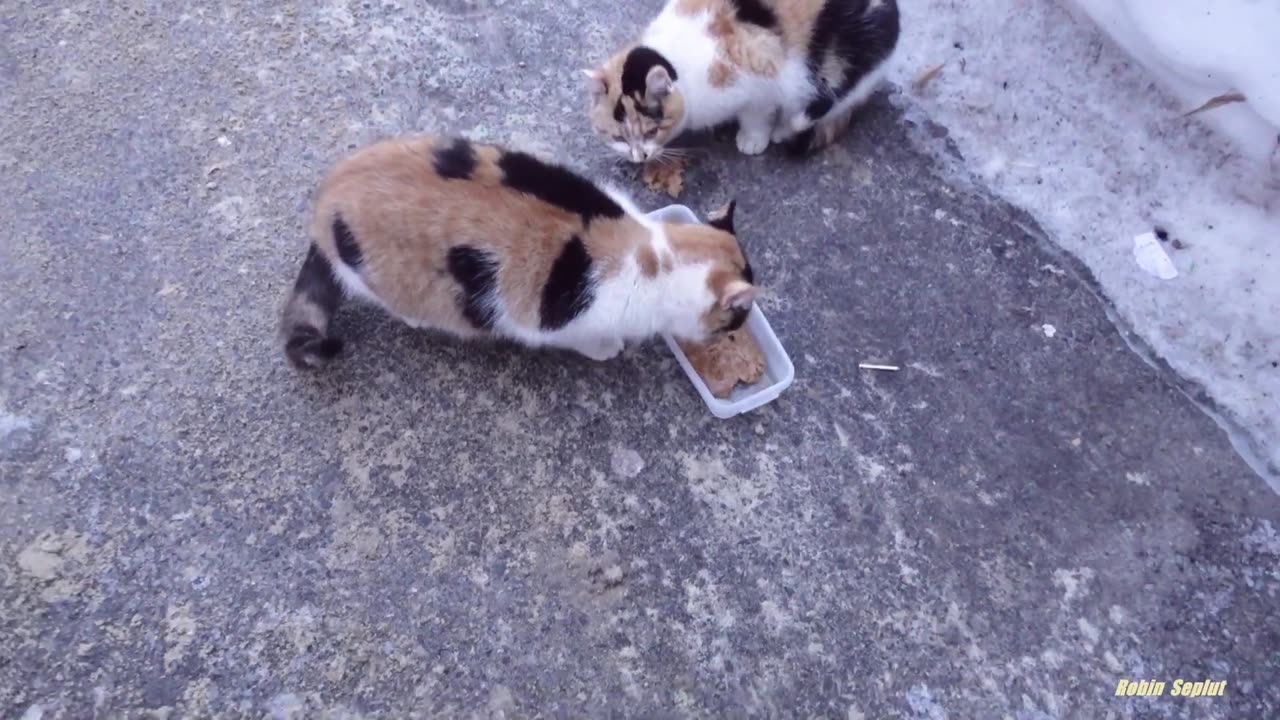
(1055, 118)
(1200, 50)
(11, 423)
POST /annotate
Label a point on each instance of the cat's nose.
(637, 155)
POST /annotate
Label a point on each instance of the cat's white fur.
(628, 306)
(754, 101)
(766, 108)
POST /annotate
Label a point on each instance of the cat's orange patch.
(703, 243)
(405, 218)
(722, 74)
(750, 48)
(647, 259)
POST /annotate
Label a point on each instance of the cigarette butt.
(873, 366)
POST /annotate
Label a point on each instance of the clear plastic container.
(778, 370)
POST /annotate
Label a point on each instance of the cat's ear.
(722, 219)
(657, 84)
(596, 83)
(738, 295)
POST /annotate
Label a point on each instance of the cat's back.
(795, 22)
(408, 221)
(410, 168)
(410, 199)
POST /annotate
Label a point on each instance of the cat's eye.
(651, 132)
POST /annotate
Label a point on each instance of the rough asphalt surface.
(1005, 528)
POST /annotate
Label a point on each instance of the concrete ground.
(1014, 522)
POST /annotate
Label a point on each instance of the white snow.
(1049, 113)
(1199, 50)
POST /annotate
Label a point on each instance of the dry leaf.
(1226, 98)
(927, 76)
(665, 176)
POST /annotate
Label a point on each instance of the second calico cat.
(474, 239)
(788, 71)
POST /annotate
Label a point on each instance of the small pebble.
(626, 462)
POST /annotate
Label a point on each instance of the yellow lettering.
(1120, 687)
(1177, 687)
(1157, 688)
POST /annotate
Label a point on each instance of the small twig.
(928, 75)
(873, 366)
(1226, 98)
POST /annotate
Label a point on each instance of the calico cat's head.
(729, 278)
(636, 106)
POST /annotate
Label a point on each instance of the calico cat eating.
(788, 71)
(478, 240)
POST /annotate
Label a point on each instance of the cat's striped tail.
(305, 323)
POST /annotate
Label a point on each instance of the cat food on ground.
(727, 361)
(665, 176)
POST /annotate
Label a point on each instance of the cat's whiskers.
(669, 156)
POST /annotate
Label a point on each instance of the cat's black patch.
(748, 274)
(568, 291)
(725, 222)
(307, 348)
(737, 318)
(345, 240)
(856, 33)
(619, 112)
(557, 186)
(799, 145)
(635, 70)
(455, 161)
(756, 13)
(316, 281)
(477, 273)
(820, 105)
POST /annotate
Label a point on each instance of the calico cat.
(474, 239)
(788, 71)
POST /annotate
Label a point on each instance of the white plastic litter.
(1152, 257)
(778, 369)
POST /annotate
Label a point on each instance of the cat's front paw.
(752, 143)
